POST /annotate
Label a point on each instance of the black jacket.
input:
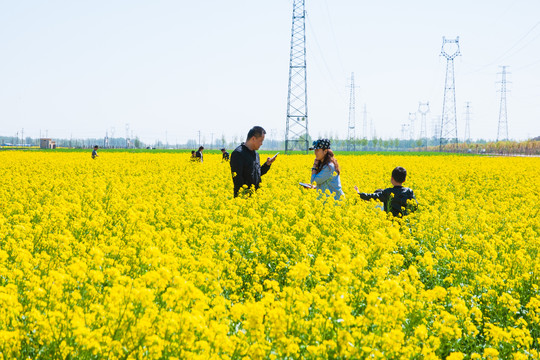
(395, 204)
(246, 168)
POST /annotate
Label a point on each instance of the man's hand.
(270, 160)
(356, 188)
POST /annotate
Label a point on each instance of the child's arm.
(381, 195)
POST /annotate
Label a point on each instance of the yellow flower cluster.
(149, 256)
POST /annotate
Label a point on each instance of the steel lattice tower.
(467, 137)
(449, 117)
(436, 122)
(412, 120)
(502, 131)
(423, 109)
(128, 142)
(365, 123)
(404, 131)
(351, 134)
(296, 134)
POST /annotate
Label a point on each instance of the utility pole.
(502, 129)
(351, 134)
(296, 133)
(423, 109)
(199, 138)
(449, 118)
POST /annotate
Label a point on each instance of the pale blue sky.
(85, 67)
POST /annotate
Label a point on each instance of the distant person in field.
(246, 168)
(199, 154)
(325, 170)
(94, 152)
(225, 155)
(395, 199)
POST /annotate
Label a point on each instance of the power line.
(500, 57)
(517, 42)
(529, 65)
(332, 81)
(338, 53)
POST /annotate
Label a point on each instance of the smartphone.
(275, 155)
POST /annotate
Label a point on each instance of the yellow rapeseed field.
(141, 255)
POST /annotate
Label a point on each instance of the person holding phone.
(246, 168)
(325, 171)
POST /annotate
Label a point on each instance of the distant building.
(47, 143)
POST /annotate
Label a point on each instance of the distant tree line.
(527, 147)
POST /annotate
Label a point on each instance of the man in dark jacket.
(246, 168)
(395, 198)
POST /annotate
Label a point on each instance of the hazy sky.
(173, 68)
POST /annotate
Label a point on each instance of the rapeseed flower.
(150, 256)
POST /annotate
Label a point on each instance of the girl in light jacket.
(325, 171)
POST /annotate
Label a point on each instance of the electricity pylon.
(351, 133)
(423, 109)
(449, 118)
(412, 120)
(502, 130)
(364, 130)
(467, 137)
(127, 137)
(404, 131)
(296, 134)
